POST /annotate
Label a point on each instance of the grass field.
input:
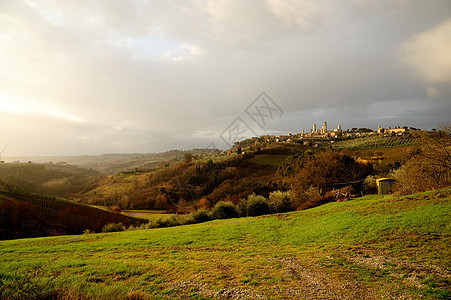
(145, 214)
(368, 248)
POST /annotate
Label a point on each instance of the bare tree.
(430, 167)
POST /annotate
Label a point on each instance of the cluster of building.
(317, 136)
(323, 132)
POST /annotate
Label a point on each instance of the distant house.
(397, 130)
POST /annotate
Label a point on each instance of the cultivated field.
(368, 248)
(375, 142)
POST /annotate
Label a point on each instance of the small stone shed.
(384, 185)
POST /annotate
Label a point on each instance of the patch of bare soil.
(411, 273)
(315, 280)
(201, 288)
(315, 284)
(312, 282)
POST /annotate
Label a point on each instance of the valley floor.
(375, 247)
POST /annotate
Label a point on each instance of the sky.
(122, 76)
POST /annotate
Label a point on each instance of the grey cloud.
(174, 69)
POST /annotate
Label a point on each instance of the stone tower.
(324, 128)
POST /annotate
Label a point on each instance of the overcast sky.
(91, 77)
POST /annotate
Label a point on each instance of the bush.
(113, 227)
(369, 185)
(199, 216)
(280, 202)
(203, 203)
(116, 209)
(161, 222)
(224, 210)
(254, 205)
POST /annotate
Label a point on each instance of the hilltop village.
(318, 136)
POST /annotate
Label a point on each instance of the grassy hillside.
(225, 176)
(368, 248)
(213, 177)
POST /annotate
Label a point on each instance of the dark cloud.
(143, 76)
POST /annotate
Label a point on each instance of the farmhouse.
(397, 130)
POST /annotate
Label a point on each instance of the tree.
(436, 151)
(203, 204)
(188, 158)
(327, 168)
(430, 167)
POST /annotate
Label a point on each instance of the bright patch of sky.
(148, 47)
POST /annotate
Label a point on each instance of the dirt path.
(322, 280)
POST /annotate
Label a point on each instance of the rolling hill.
(113, 163)
(212, 177)
(30, 215)
(368, 248)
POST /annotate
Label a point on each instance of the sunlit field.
(371, 247)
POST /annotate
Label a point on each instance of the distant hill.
(49, 178)
(113, 163)
(186, 182)
(225, 176)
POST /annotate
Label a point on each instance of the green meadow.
(372, 247)
(146, 214)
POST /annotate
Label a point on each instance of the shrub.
(224, 210)
(254, 205)
(199, 216)
(116, 209)
(203, 203)
(161, 222)
(280, 202)
(369, 184)
(113, 227)
(308, 199)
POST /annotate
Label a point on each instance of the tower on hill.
(324, 128)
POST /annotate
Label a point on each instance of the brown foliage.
(235, 199)
(116, 209)
(429, 168)
(203, 204)
(327, 168)
(188, 158)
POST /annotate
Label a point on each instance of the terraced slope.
(375, 142)
(30, 215)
